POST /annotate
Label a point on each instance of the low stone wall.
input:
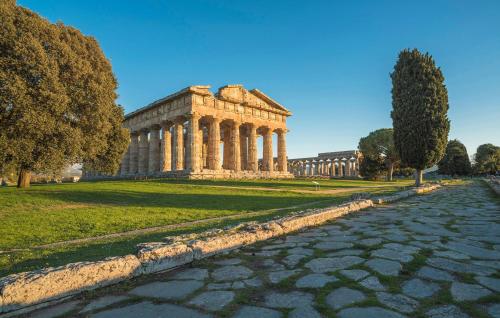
(494, 184)
(20, 291)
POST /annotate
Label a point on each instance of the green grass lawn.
(45, 214)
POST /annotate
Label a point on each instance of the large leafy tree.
(456, 160)
(57, 97)
(372, 168)
(487, 159)
(420, 107)
(380, 144)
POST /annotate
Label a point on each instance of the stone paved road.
(436, 255)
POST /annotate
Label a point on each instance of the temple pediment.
(240, 95)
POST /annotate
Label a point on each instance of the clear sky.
(327, 61)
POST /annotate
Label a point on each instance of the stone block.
(25, 289)
(158, 256)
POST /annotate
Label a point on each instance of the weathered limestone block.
(158, 256)
(209, 246)
(25, 289)
(295, 223)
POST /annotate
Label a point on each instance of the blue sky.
(327, 61)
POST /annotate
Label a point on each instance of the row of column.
(176, 150)
(347, 168)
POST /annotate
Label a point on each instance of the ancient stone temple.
(197, 134)
(339, 164)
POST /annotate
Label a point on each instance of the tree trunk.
(390, 171)
(24, 179)
(418, 177)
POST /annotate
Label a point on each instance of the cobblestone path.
(436, 255)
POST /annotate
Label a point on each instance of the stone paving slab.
(435, 255)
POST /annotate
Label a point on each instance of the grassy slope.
(51, 213)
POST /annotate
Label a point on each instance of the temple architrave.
(339, 164)
(197, 134)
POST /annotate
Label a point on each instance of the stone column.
(193, 144)
(282, 162)
(143, 152)
(243, 148)
(166, 149)
(341, 173)
(214, 145)
(124, 169)
(226, 150)
(154, 150)
(253, 161)
(267, 157)
(178, 144)
(235, 147)
(202, 149)
(347, 168)
(332, 168)
(134, 153)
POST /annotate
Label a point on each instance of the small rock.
(418, 288)
(293, 260)
(229, 261)
(56, 310)
(332, 245)
(324, 265)
(490, 282)
(344, 296)
(175, 289)
(102, 302)
(314, 281)
(276, 277)
(231, 272)
(384, 267)
(494, 310)
(253, 312)
(368, 312)
(304, 312)
(354, 274)
(446, 311)
(451, 254)
(219, 286)
(468, 292)
(148, 309)
(370, 241)
(392, 254)
(372, 283)
(293, 299)
(192, 273)
(398, 302)
(212, 300)
(434, 274)
(300, 251)
(253, 282)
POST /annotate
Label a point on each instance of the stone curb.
(32, 289)
(493, 184)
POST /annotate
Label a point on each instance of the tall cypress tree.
(420, 107)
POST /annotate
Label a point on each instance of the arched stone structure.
(197, 134)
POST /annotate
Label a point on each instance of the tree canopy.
(456, 160)
(487, 159)
(419, 115)
(57, 97)
(380, 144)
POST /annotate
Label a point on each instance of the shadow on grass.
(138, 199)
(38, 259)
